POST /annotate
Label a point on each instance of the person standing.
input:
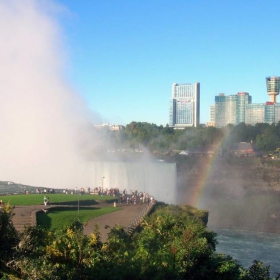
(45, 200)
(2, 204)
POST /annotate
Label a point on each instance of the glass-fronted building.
(220, 110)
(268, 112)
(238, 108)
(255, 113)
(231, 109)
(184, 105)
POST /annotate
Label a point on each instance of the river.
(247, 246)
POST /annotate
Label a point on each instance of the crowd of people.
(44, 190)
(81, 191)
(124, 197)
(107, 191)
(128, 197)
(135, 197)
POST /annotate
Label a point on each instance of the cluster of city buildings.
(233, 109)
(114, 127)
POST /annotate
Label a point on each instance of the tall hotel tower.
(184, 105)
(272, 84)
(231, 109)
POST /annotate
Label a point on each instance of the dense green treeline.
(172, 243)
(137, 135)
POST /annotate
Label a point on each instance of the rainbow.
(204, 171)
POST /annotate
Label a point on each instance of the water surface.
(247, 246)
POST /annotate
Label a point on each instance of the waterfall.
(156, 178)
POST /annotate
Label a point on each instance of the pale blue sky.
(125, 55)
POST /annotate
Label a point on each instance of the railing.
(136, 222)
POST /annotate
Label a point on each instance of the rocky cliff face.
(241, 193)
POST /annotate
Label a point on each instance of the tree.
(8, 236)
(268, 139)
(257, 271)
(172, 243)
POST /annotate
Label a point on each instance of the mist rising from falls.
(46, 131)
(234, 193)
(41, 116)
(157, 179)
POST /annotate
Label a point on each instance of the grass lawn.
(36, 199)
(58, 217)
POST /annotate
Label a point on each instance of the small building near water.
(241, 149)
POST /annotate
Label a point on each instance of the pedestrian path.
(123, 217)
(26, 216)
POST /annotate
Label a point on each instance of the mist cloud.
(40, 115)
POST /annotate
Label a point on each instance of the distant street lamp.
(78, 207)
(102, 185)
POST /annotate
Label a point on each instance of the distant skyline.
(123, 57)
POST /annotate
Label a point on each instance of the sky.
(125, 55)
(65, 65)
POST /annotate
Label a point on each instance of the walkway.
(123, 217)
(26, 216)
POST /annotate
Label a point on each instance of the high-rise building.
(184, 105)
(212, 116)
(238, 108)
(272, 84)
(255, 113)
(221, 110)
(212, 113)
(268, 112)
(231, 109)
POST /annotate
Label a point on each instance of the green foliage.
(32, 241)
(64, 254)
(181, 210)
(8, 236)
(162, 139)
(171, 246)
(257, 271)
(268, 140)
(140, 133)
(173, 243)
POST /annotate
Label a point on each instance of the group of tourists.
(81, 191)
(135, 197)
(107, 191)
(131, 197)
(45, 190)
(124, 197)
